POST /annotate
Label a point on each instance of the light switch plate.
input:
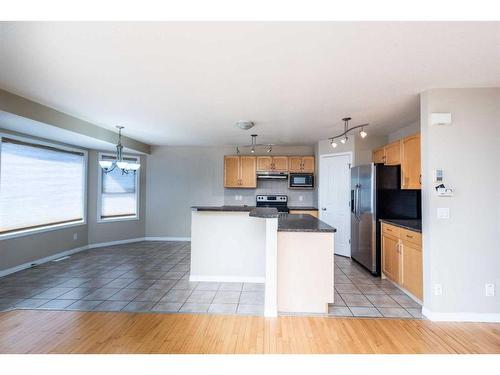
(489, 290)
(438, 289)
(443, 213)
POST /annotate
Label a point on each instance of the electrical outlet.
(301, 198)
(235, 197)
(489, 290)
(438, 289)
(75, 236)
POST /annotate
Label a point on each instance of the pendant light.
(125, 166)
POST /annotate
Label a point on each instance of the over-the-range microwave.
(301, 180)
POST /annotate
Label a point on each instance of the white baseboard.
(461, 316)
(24, 266)
(167, 238)
(229, 279)
(119, 242)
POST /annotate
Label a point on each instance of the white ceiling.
(177, 83)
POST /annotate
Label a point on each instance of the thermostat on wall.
(438, 175)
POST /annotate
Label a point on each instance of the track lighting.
(254, 146)
(343, 136)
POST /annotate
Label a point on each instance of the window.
(118, 193)
(40, 186)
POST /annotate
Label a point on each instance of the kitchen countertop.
(414, 225)
(224, 208)
(302, 208)
(264, 212)
(286, 222)
(302, 223)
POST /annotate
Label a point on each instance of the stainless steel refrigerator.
(376, 194)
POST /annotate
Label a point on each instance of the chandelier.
(343, 136)
(253, 146)
(125, 166)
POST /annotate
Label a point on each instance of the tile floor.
(154, 277)
(360, 294)
(139, 277)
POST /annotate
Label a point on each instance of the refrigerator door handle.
(357, 202)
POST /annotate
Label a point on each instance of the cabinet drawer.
(411, 236)
(390, 229)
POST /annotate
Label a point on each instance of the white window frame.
(100, 220)
(50, 227)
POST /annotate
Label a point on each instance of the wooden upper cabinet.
(308, 164)
(231, 171)
(294, 163)
(410, 163)
(280, 163)
(248, 172)
(297, 164)
(272, 163)
(392, 153)
(240, 172)
(264, 163)
(390, 257)
(378, 155)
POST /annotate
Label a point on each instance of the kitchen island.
(291, 254)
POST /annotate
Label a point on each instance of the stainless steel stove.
(279, 202)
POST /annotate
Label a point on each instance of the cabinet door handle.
(409, 236)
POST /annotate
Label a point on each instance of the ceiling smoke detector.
(244, 125)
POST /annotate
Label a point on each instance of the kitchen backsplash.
(266, 187)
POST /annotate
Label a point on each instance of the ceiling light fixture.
(254, 146)
(125, 166)
(244, 124)
(343, 136)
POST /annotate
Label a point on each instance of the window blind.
(118, 193)
(39, 186)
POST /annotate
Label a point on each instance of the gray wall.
(118, 230)
(29, 248)
(405, 131)
(181, 177)
(462, 253)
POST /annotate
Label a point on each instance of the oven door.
(302, 180)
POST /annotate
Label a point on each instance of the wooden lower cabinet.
(391, 257)
(305, 212)
(411, 275)
(402, 258)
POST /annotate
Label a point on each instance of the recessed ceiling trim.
(23, 107)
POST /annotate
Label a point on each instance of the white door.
(334, 198)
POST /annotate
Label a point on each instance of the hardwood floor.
(30, 331)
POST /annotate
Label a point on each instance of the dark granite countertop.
(302, 223)
(223, 208)
(302, 208)
(414, 225)
(264, 212)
